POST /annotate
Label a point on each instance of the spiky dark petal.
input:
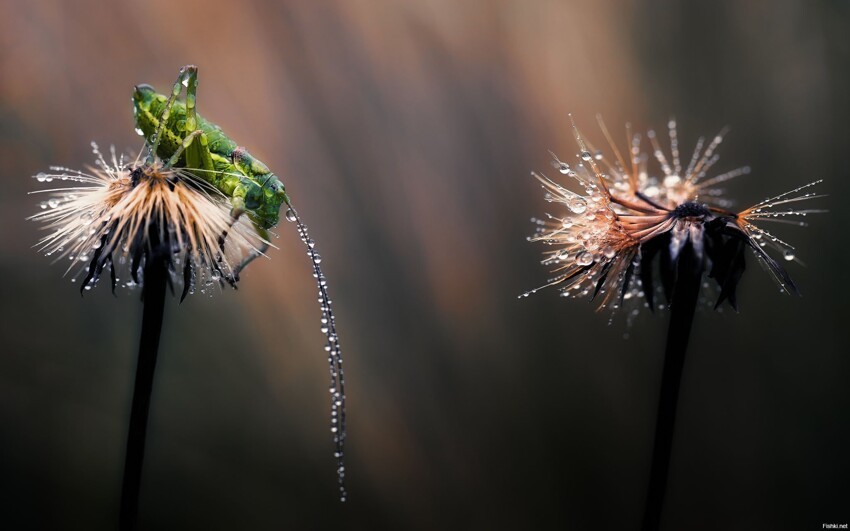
(777, 269)
(113, 279)
(627, 280)
(601, 282)
(95, 266)
(648, 251)
(188, 278)
(667, 265)
(138, 252)
(728, 265)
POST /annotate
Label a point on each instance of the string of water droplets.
(337, 387)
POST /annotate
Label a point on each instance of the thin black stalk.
(153, 297)
(682, 307)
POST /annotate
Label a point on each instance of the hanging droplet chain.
(337, 387)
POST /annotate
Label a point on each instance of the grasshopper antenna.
(337, 387)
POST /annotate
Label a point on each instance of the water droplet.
(564, 168)
(585, 155)
(609, 251)
(41, 177)
(584, 258)
(139, 131)
(789, 255)
(577, 205)
(290, 215)
(671, 180)
(53, 203)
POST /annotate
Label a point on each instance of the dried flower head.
(606, 242)
(123, 214)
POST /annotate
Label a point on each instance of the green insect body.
(179, 135)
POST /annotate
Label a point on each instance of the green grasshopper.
(178, 135)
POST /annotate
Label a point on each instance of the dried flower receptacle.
(121, 214)
(610, 232)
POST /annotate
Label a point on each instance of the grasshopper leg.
(255, 253)
(184, 146)
(198, 158)
(189, 74)
(235, 213)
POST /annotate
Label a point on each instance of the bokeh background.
(405, 133)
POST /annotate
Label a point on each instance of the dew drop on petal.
(671, 180)
(584, 258)
(577, 205)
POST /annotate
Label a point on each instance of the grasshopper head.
(144, 97)
(273, 196)
(277, 193)
(267, 194)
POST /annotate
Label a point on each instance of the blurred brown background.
(405, 132)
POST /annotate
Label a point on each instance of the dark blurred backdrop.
(405, 133)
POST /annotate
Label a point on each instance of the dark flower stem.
(682, 307)
(153, 297)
